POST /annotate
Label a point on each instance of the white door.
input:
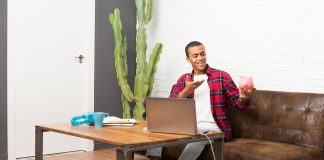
(47, 83)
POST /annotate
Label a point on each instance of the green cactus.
(144, 78)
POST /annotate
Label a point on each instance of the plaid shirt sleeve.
(229, 92)
(177, 88)
(232, 92)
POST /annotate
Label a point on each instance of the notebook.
(172, 115)
(116, 121)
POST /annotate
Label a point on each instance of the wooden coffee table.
(126, 139)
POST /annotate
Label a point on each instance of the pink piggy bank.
(246, 82)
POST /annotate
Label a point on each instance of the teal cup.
(98, 118)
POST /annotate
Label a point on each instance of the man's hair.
(192, 44)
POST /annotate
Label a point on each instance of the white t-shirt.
(205, 119)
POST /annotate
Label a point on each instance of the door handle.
(80, 58)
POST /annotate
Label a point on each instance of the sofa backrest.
(288, 117)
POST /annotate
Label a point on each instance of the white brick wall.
(279, 43)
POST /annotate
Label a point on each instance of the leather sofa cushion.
(253, 149)
(287, 117)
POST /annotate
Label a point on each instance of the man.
(211, 89)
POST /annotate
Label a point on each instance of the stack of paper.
(115, 121)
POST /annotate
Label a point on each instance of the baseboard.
(3, 156)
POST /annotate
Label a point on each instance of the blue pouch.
(84, 119)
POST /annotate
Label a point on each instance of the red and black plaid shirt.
(222, 89)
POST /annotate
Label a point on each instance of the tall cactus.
(144, 78)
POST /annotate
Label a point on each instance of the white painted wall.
(279, 43)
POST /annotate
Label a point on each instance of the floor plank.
(104, 154)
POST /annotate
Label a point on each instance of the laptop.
(172, 115)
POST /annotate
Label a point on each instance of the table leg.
(124, 155)
(219, 148)
(38, 143)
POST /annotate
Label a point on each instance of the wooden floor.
(105, 154)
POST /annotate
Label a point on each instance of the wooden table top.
(121, 136)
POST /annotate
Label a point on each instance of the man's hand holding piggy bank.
(246, 86)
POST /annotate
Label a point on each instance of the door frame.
(88, 78)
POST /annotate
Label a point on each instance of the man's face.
(197, 58)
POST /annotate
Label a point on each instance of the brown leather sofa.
(276, 126)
